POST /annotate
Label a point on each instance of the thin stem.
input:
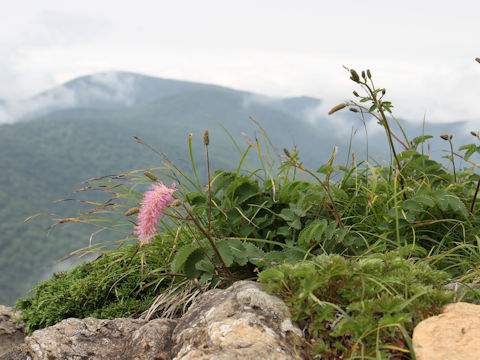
(475, 196)
(210, 240)
(209, 192)
(327, 189)
(453, 161)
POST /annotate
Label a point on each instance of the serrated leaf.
(412, 205)
(287, 214)
(271, 275)
(424, 199)
(190, 265)
(314, 230)
(254, 254)
(238, 252)
(181, 256)
(225, 251)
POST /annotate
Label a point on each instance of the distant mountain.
(85, 130)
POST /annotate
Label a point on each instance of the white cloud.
(102, 88)
(423, 54)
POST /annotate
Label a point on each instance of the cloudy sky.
(422, 51)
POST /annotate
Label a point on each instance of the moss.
(111, 286)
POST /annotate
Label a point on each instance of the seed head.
(356, 94)
(473, 133)
(336, 108)
(354, 76)
(353, 110)
(150, 175)
(285, 150)
(206, 138)
(477, 59)
(176, 203)
(132, 211)
(369, 74)
(383, 91)
(446, 137)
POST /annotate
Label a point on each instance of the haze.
(421, 51)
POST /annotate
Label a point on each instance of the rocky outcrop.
(452, 335)
(11, 332)
(241, 322)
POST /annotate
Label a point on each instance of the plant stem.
(475, 197)
(209, 192)
(453, 162)
(210, 240)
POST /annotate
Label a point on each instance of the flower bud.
(336, 108)
(473, 133)
(446, 137)
(353, 110)
(150, 175)
(383, 91)
(176, 203)
(477, 59)
(356, 94)
(285, 150)
(354, 76)
(206, 138)
(369, 74)
(364, 76)
(132, 211)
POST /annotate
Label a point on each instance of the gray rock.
(241, 322)
(101, 339)
(11, 332)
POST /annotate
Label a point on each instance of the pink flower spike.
(154, 200)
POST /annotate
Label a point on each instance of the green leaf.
(225, 250)
(181, 256)
(238, 251)
(190, 265)
(254, 254)
(287, 214)
(471, 149)
(314, 230)
(271, 275)
(412, 205)
(421, 139)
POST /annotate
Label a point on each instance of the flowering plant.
(151, 210)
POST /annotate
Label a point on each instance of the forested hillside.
(48, 153)
(44, 159)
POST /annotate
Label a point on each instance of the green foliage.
(117, 284)
(44, 159)
(360, 252)
(359, 307)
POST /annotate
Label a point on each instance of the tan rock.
(452, 335)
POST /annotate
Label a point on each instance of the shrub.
(359, 307)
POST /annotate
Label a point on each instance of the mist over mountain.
(82, 129)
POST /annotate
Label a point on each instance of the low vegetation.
(360, 252)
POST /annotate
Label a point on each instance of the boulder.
(11, 332)
(452, 335)
(241, 322)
